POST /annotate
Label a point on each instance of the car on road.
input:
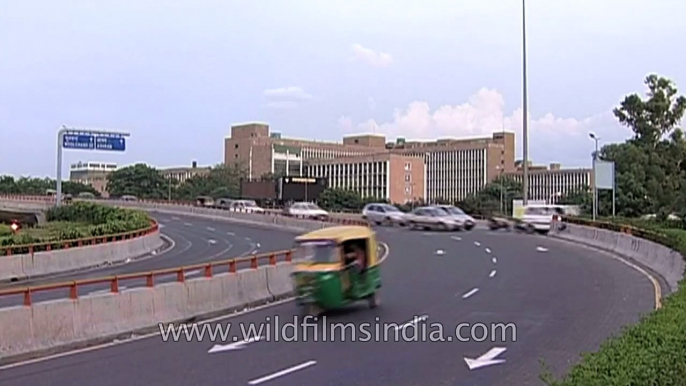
(306, 210)
(431, 218)
(383, 214)
(249, 206)
(539, 218)
(466, 221)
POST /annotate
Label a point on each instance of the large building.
(92, 173)
(550, 183)
(394, 177)
(454, 169)
(182, 173)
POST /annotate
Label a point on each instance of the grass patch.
(650, 353)
(76, 221)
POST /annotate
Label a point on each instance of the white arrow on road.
(232, 346)
(486, 359)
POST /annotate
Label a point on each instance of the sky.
(176, 74)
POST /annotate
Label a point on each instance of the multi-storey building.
(394, 177)
(92, 173)
(182, 173)
(549, 184)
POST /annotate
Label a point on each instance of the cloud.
(292, 93)
(371, 57)
(286, 97)
(551, 138)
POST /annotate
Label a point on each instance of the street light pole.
(595, 187)
(525, 118)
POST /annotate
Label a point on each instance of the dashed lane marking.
(282, 373)
(210, 229)
(456, 238)
(494, 260)
(488, 250)
(478, 244)
(470, 293)
(492, 273)
(188, 224)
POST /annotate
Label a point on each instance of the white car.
(466, 221)
(248, 206)
(539, 218)
(306, 210)
(383, 214)
(428, 217)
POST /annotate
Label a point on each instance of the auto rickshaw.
(335, 267)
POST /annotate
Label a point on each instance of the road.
(195, 241)
(562, 299)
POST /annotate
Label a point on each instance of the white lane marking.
(494, 260)
(210, 229)
(456, 238)
(211, 241)
(541, 249)
(257, 245)
(478, 244)
(488, 250)
(230, 233)
(470, 293)
(440, 252)
(282, 373)
(492, 273)
(188, 224)
(486, 359)
(160, 225)
(175, 218)
(105, 291)
(233, 346)
(412, 322)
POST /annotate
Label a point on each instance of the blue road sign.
(93, 142)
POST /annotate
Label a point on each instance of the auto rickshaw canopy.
(342, 235)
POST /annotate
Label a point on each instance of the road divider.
(38, 328)
(31, 261)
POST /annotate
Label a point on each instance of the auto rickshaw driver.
(354, 260)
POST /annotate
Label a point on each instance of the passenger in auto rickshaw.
(355, 260)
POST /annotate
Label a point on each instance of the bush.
(652, 352)
(76, 221)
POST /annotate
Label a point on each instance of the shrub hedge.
(79, 220)
(650, 353)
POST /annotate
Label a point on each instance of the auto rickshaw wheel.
(374, 300)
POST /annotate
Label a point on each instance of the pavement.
(194, 241)
(559, 300)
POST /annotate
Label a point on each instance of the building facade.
(92, 173)
(549, 184)
(393, 177)
(182, 173)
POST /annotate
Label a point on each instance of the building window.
(408, 190)
(235, 156)
(408, 166)
(408, 178)
(235, 146)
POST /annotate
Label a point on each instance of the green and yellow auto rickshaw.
(336, 267)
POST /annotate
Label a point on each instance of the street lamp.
(595, 189)
(525, 117)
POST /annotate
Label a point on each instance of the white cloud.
(286, 97)
(292, 93)
(551, 138)
(371, 57)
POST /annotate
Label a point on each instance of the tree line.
(34, 186)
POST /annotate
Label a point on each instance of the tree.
(39, 186)
(221, 182)
(655, 117)
(496, 196)
(139, 180)
(340, 199)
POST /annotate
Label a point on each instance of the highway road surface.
(194, 241)
(561, 299)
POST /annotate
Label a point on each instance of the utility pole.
(525, 108)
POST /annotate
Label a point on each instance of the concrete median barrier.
(40, 264)
(30, 331)
(665, 262)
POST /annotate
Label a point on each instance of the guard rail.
(257, 260)
(81, 242)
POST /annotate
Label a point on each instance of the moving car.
(429, 218)
(539, 218)
(466, 221)
(249, 206)
(383, 214)
(306, 210)
(335, 267)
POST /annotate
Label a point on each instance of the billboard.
(604, 175)
(301, 188)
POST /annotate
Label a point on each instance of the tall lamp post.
(595, 188)
(525, 117)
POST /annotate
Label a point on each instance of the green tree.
(39, 186)
(221, 182)
(139, 180)
(581, 197)
(340, 199)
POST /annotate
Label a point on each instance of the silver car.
(383, 214)
(466, 221)
(430, 218)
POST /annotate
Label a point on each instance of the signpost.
(84, 139)
(603, 178)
